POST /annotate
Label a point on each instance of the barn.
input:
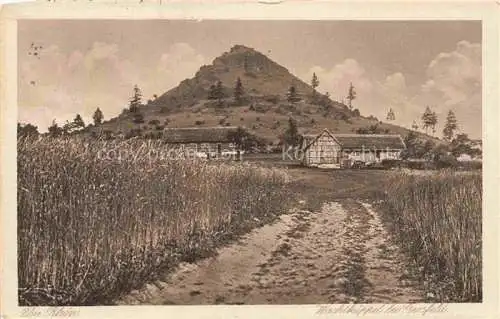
(343, 149)
(210, 142)
(321, 149)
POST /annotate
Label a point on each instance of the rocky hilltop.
(264, 107)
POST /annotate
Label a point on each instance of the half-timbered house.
(338, 149)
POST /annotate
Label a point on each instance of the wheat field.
(438, 219)
(97, 218)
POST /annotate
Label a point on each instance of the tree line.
(55, 130)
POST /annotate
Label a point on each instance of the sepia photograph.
(249, 162)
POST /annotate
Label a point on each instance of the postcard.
(237, 159)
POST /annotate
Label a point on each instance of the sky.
(404, 65)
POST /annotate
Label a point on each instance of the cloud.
(375, 94)
(337, 80)
(452, 80)
(455, 75)
(183, 55)
(395, 82)
(58, 84)
(180, 62)
(394, 93)
(393, 89)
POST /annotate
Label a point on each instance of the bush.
(276, 124)
(102, 217)
(136, 132)
(251, 75)
(470, 165)
(391, 163)
(446, 161)
(322, 100)
(138, 118)
(260, 108)
(199, 122)
(154, 122)
(419, 165)
(372, 129)
(274, 99)
(342, 116)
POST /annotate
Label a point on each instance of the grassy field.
(96, 219)
(438, 220)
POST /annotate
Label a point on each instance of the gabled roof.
(199, 134)
(360, 141)
(311, 139)
(370, 141)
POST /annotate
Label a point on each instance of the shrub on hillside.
(250, 74)
(342, 116)
(372, 129)
(138, 118)
(259, 108)
(274, 99)
(322, 100)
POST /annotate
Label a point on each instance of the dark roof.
(199, 134)
(371, 141)
(360, 141)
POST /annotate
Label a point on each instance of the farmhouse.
(344, 149)
(203, 141)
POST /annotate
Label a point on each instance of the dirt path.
(338, 254)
